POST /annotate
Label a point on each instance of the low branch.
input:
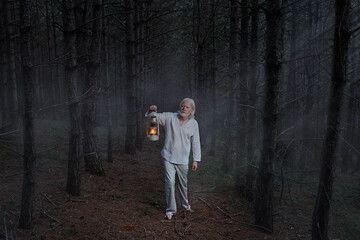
(247, 224)
(11, 150)
(7, 133)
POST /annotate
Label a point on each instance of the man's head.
(187, 108)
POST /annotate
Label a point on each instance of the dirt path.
(127, 203)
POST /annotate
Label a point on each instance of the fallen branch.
(247, 224)
(49, 200)
(49, 216)
(187, 228)
(204, 202)
(5, 226)
(177, 231)
(78, 200)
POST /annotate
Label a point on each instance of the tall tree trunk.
(92, 159)
(28, 185)
(106, 63)
(13, 107)
(59, 95)
(3, 81)
(51, 87)
(242, 112)
(73, 177)
(292, 107)
(251, 136)
(200, 68)
(349, 130)
(82, 39)
(130, 138)
(139, 72)
(213, 101)
(230, 152)
(320, 219)
(273, 55)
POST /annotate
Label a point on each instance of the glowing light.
(152, 131)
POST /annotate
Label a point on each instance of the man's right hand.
(153, 108)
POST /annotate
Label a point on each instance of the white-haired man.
(181, 134)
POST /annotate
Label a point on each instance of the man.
(181, 133)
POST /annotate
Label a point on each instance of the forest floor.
(129, 202)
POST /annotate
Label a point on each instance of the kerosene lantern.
(153, 129)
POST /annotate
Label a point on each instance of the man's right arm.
(152, 111)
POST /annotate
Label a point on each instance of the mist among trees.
(276, 85)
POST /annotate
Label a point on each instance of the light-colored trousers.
(171, 171)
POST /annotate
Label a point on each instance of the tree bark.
(213, 68)
(3, 81)
(12, 107)
(106, 64)
(201, 93)
(139, 28)
(273, 55)
(93, 163)
(59, 93)
(320, 219)
(251, 136)
(28, 185)
(230, 152)
(73, 177)
(349, 130)
(130, 138)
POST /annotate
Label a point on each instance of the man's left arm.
(196, 148)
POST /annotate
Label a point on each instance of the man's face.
(186, 109)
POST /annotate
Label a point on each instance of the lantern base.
(152, 138)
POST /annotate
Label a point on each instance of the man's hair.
(192, 103)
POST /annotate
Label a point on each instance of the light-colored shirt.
(179, 138)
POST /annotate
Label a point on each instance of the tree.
(106, 77)
(92, 159)
(11, 71)
(213, 70)
(273, 55)
(3, 82)
(28, 186)
(130, 138)
(230, 150)
(320, 218)
(73, 177)
(251, 136)
(139, 68)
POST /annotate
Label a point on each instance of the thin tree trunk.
(93, 163)
(13, 107)
(242, 113)
(349, 130)
(200, 69)
(3, 81)
(230, 151)
(292, 106)
(320, 219)
(139, 70)
(213, 108)
(51, 88)
(251, 136)
(28, 185)
(59, 93)
(130, 146)
(264, 198)
(73, 177)
(107, 88)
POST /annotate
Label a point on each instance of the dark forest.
(276, 85)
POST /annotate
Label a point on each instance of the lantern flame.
(152, 131)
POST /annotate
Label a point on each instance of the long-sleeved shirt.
(179, 138)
